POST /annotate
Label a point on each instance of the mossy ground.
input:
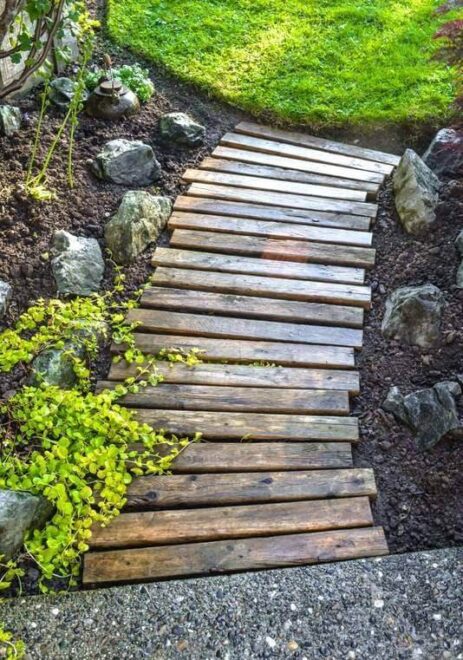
(318, 62)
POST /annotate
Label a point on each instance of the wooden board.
(233, 328)
(168, 527)
(272, 185)
(270, 309)
(193, 490)
(265, 287)
(303, 140)
(230, 193)
(283, 174)
(252, 426)
(223, 263)
(226, 556)
(248, 352)
(235, 399)
(240, 141)
(239, 375)
(275, 214)
(227, 457)
(274, 248)
(274, 160)
(230, 225)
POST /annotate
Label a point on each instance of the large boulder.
(431, 413)
(20, 512)
(445, 154)
(10, 120)
(179, 127)
(413, 315)
(127, 162)
(5, 297)
(137, 223)
(416, 190)
(78, 266)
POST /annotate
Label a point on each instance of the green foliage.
(132, 76)
(329, 62)
(9, 648)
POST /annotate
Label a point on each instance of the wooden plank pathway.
(265, 276)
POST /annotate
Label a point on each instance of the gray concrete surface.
(404, 606)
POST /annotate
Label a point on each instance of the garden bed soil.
(418, 502)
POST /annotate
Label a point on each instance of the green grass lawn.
(309, 61)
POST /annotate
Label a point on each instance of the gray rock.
(394, 403)
(10, 120)
(460, 276)
(137, 223)
(459, 243)
(19, 513)
(127, 163)
(413, 315)
(56, 365)
(445, 154)
(6, 292)
(78, 267)
(181, 128)
(432, 413)
(61, 92)
(416, 190)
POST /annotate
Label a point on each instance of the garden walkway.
(266, 264)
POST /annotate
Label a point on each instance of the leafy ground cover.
(308, 61)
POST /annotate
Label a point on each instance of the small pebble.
(292, 645)
(378, 603)
(270, 642)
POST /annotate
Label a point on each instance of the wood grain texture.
(235, 399)
(283, 174)
(230, 225)
(247, 352)
(274, 160)
(230, 193)
(233, 328)
(168, 527)
(239, 375)
(251, 426)
(241, 141)
(272, 185)
(276, 214)
(223, 263)
(225, 556)
(193, 490)
(273, 248)
(303, 140)
(271, 309)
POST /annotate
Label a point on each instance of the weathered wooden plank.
(135, 530)
(240, 375)
(235, 399)
(223, 263)
(233, 328)
(303, 140)
(274, 248)
(283, 174)
(227, 556)
(241, 141)
(229, 225)
(252, 426)
(272, 185)
(241, 351)
(271, 287)
(274, 160)
(276, 214)
(191, 490)
(271, 309)
(230, 193)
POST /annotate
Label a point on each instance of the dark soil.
(419, 502)
(420, 494)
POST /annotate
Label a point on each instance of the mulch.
(419, 502)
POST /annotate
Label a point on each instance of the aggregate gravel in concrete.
(402, 606)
